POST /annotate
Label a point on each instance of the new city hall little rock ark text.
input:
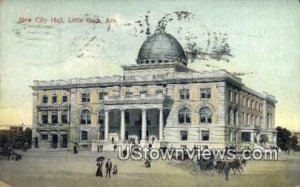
(159, 100)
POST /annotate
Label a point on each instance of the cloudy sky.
(264, 38)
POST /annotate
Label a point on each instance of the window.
(45, 99)
(65, 99)
(236, 98)
(244, 101)
(128, 94)
(54, 99)
(205, 135)
(231, 96)
(183, 135)
(160, 91)
(184, 115)
(101, 117)
(144, 92)
(257, 106)
(84, 135)
(64, 117)
(205, 115)
(230, 116)
(54, 117)
(248, 103)
(85, 97)
(205, 93)
(44, 136)
(184, 94)
(85, 117)
(45, 118)
(127, 117)
(102, 95)
(245, 137)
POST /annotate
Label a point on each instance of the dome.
(161, 48)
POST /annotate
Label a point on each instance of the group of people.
(110, 169)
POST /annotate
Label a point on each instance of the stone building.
(157, 99)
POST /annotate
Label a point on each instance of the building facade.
(158, 99)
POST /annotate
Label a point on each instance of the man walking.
(108, 167)
(226, 171)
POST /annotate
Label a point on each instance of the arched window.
(184, 115)
(101, 117)
(205, 115)
(85, 117)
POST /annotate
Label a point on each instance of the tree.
(284, 141)
(294, 142)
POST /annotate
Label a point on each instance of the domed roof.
(161, 48)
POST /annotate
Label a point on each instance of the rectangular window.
(128, 94)
(65, 99)
(44, 136)
(144, 92)
(54, 99)
(205, 93)
(84, 135)
(54, 118)
(44, 118)
(184, 94)
(45, 99)
(159, 92)
(64, 118)
(102, 95)
(245, 137)
(205, 135)
(127, 117)
(85, 97)
(236, 98)
(183, 135)
(231, 96)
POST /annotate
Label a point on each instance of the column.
(59, 116)
(122, 128)
(144, 124)
(49, 117)
(58, 140)
(252, 137)
(161, 123)
(106, 125)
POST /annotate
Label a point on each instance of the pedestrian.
(150, 145)
(75, 148)
(99, 169)
(108, 167)
(115, 147)
(98, 148)
(226, 171)
(115, 170)
(101, 147)
(147, 163)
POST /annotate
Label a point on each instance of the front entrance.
(64, 138)
(54, 141)
(246, 137)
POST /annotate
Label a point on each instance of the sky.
(264, 38)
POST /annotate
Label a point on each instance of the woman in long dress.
(99, 169)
